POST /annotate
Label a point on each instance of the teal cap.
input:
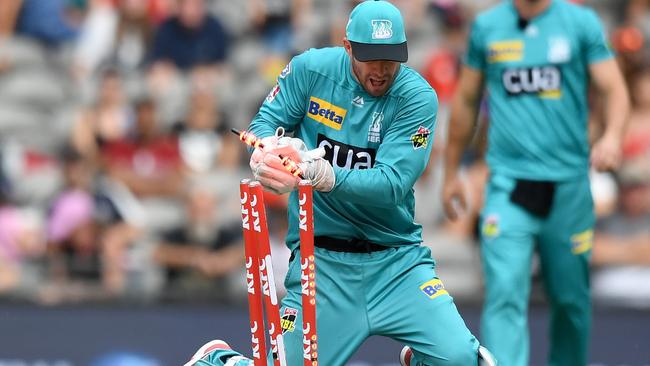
(376, 32)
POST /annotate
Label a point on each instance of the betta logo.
(326, 113)
(346, 156)
(544, 81)
(434, 288)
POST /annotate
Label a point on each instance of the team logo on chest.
(374, 132)
(545, 81)
(559, 50)
(326, 113)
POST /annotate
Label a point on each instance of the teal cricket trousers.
(563, 240)
(393, 293)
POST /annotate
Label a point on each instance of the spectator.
(149, 162)
(109, 119)
(202, 249)
(190, 38)
(53, 22)
(134, 33)
(204, 140)
(622, 242)
(8, 16)
(20, 244)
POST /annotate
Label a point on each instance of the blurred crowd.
(119, 178)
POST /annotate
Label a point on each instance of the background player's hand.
(454, 197)
(606, 154)
(257, 157)
(274, 176)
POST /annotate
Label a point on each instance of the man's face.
(191, 12)
(375, 76)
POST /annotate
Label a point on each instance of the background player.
(535, 58)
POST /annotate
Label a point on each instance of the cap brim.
(374, 52)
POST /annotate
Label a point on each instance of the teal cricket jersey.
(537, 79)
(378, 146)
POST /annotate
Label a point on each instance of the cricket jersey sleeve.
(401, 157)
(594, 40)
(284, 106)
(475, 56)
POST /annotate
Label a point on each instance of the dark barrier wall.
(168, 335)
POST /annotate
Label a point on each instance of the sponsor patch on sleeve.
(286, 71)
(433, 288)
(420, 139)
(271, 96)
(288, 321)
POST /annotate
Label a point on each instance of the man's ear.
(347, 46)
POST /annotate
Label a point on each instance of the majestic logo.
(326, 113)
(434, 288)
(374, 132)
(582, 242)
(288, 320)
(358, 101)
(382, 29)
(271, 96)
(420, 139)
(505, 51)
(346, 156)
(545, 81)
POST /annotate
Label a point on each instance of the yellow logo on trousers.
(582, 242)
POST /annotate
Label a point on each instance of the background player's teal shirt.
(537, 80)
(379, 146)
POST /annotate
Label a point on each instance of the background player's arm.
(606, 77)
(608, 80)
(400, 161)
(464, 112)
